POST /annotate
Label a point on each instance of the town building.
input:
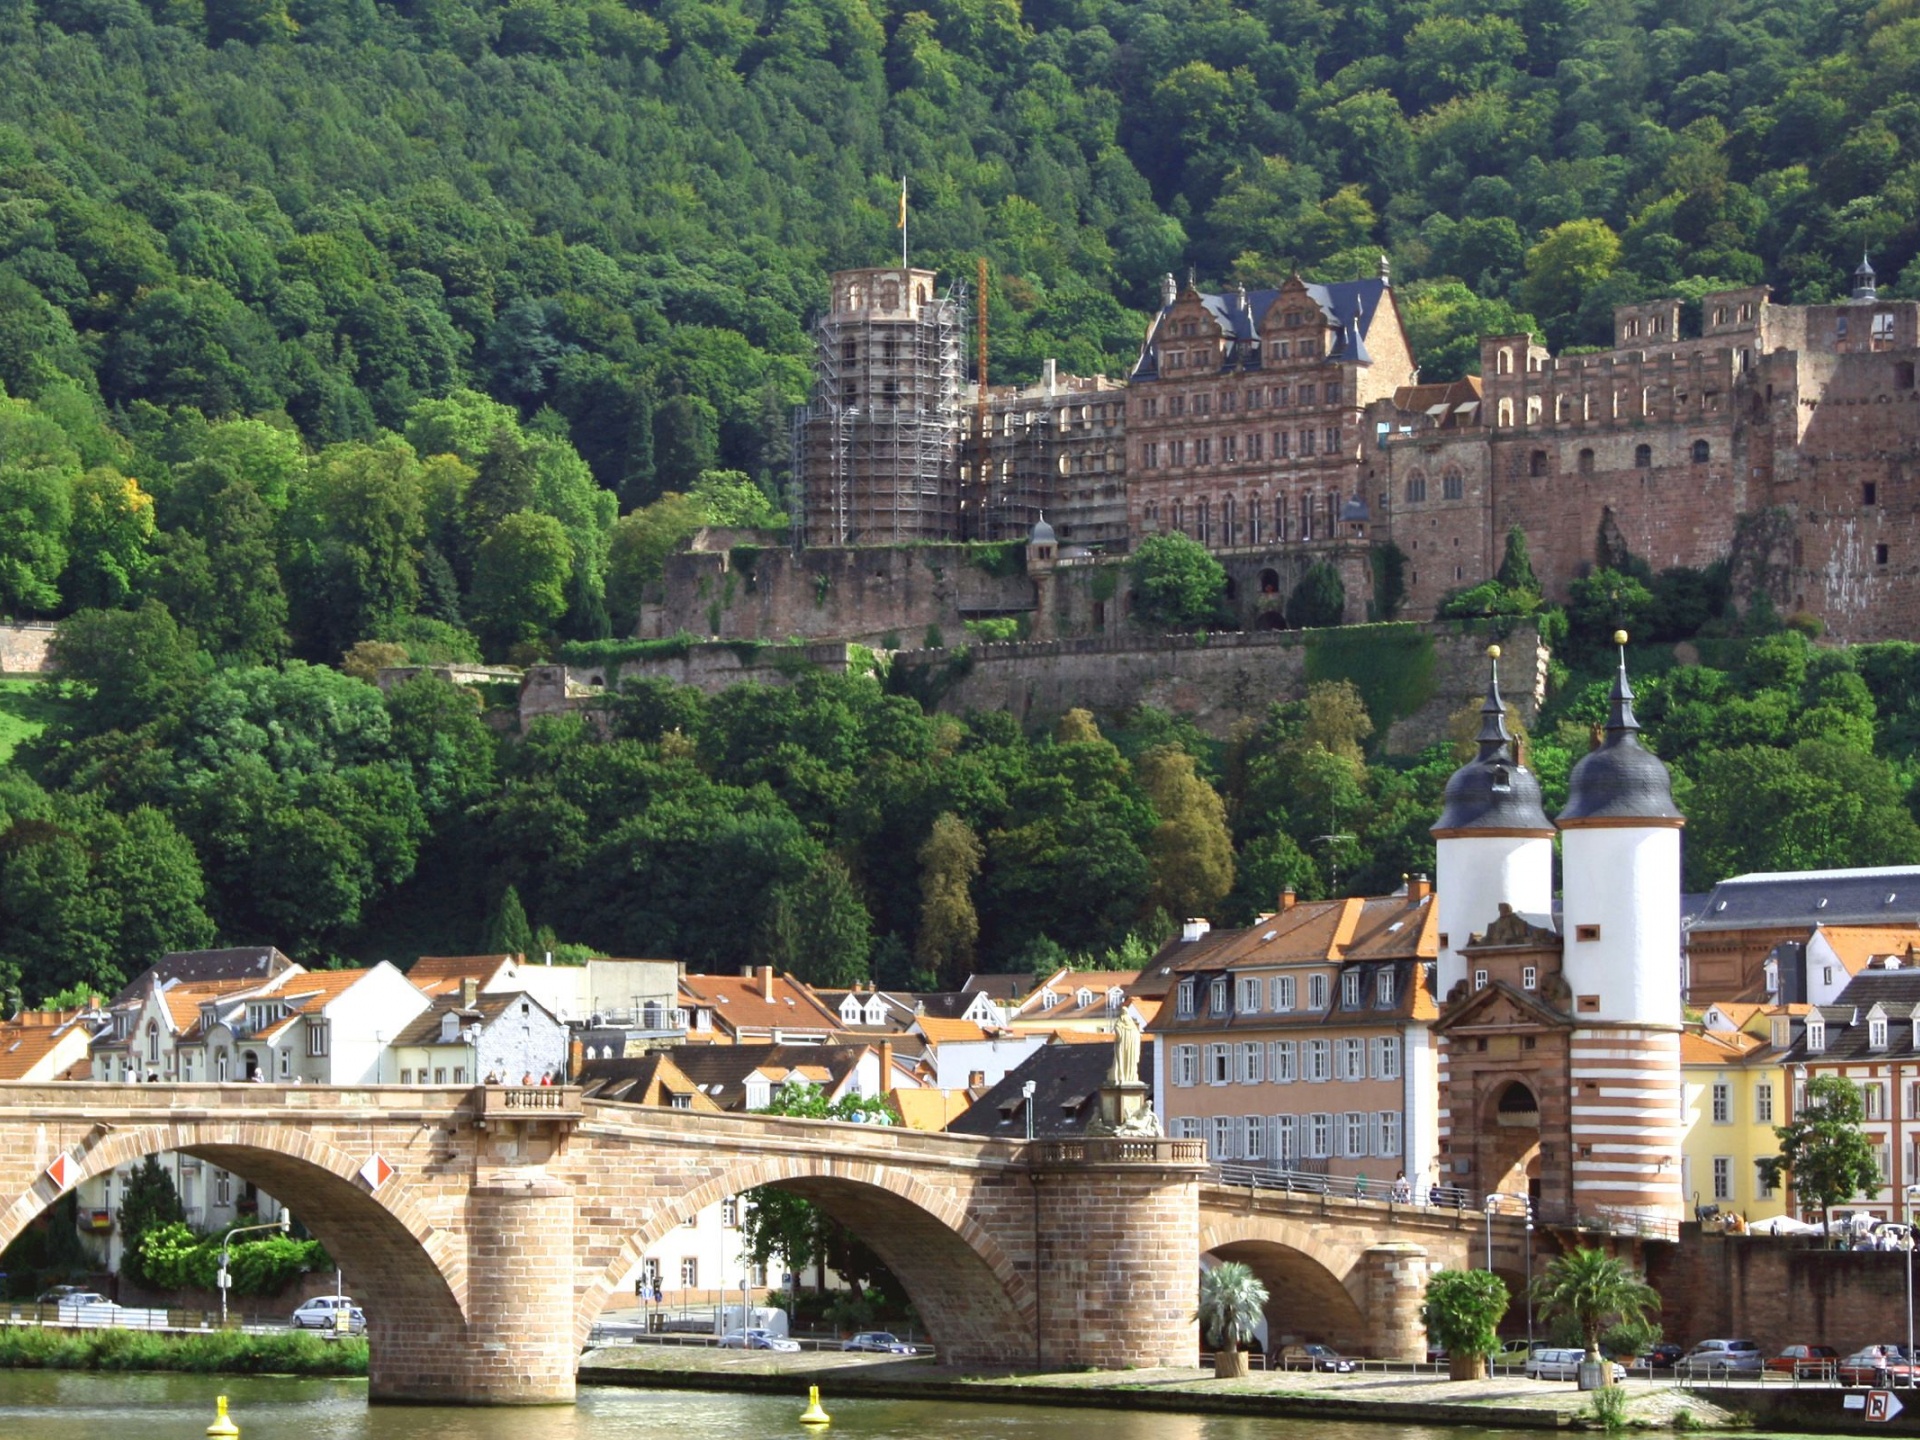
(1870, 1035)
(502, 1038)
(1798, 936)
(1734, 1095)
(1301, 1042)
(758, 1006)
(1065, 1098)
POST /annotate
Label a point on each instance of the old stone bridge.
(486, 1227)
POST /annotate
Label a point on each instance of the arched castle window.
(1254, 505)
(1453, 485)
(1416, 488)
(1537, 463)
(1534, 407)
(1702, 452)
(1203, 522)
(1227, 535)
(1559, 407)
(1586, 462)
(1180, 517)
(1643, 457)
(1505, 365)
(1506, 413)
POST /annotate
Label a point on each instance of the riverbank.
(1423, 1399)
(216, 1352)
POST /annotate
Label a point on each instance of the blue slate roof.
(1884, 895)
(1348, 305)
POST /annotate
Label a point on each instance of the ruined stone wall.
(23, 648)
(1414, 677)
(864, 593)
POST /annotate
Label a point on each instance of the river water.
(45, 1405)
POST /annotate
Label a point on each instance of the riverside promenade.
(1419, 1398)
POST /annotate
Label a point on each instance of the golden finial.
(1619, 637)
(1493, 652)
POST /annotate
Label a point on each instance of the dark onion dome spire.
(1493, 793)
(1620, 781)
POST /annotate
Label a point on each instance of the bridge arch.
(382, 1237)
(976, 1302)
(1316, 1288)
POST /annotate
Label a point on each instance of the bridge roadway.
(510, 1214)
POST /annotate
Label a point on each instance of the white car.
(323, 1313)
(1564, 1365)
(756, 1339)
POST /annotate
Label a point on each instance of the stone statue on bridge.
(1125, 1069)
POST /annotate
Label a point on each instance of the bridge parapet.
(1106, 1150)
(529, 1102)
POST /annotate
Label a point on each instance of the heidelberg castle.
(1280, 427)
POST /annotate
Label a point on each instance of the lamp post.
(283, 1225)
(1912, 1192)
(1026, 1093)
(1529, 1275)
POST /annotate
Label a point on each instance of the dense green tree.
(148, 1203)
(949, 926)
(520, 578)
(1825, 1156)
(507, 931)
(1177, 583)
(1320, 599)
(1190, 851)
(355, 524)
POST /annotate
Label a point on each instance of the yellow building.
(1735, 1094)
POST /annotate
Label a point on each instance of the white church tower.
(1494, 843)
(1620, 863)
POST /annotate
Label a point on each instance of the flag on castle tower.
(903, 204)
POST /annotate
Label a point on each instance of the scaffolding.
(877, 448)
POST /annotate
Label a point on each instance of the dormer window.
(1048, 999)
(1877, 1032)
(1116, 997)
(449, 1027)
(1350, 990)
(1772, 971)
(1083, 997)
(876, 1012)
(1183, 1005)
(1383, 988)
(1782, 1032)
(1217, 997)
(851, 1010)
(1816, 1036)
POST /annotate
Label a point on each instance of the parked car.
(1662, 1356)
(1721, 1357)
(756, 1339)
(1877, 1365)
(1808, 1362)
(1564, 1364)
(53, 1295)
(879, 1342)
(1313, 1357)
(323, 1312)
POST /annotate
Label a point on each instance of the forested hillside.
(333, 329)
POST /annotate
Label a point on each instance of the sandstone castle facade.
(1288, 428)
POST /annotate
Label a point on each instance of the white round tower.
(1620, 958)
(1493, 842)
(1620, 871)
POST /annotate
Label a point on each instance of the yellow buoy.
(813, 1414)
(223, 1428)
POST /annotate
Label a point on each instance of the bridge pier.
(516, 1347)
(1395, 1277)
(1117, 1226)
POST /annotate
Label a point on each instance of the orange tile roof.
(1717, 1047)
(1857, 944)
(183, 1001)
(940, 1032)
(928, 1108)
(1357, 927)
(738, 1004)
(442, 974)
(22, 1047)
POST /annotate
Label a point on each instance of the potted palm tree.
(1596, 1292)
(1232, 1304)
(1462, 1315)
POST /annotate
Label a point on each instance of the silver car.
(323, 1313)
(1722, 1357)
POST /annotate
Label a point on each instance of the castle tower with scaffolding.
(877, 448)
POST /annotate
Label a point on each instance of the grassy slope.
(23, 713)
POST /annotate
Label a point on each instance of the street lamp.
(1026, 1093)
(283, 1225)
(1912, 1191)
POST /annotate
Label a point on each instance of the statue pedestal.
(1125, 1109)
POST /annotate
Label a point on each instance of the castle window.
(1586, 932)
(1719, 314)
(1702, 452)
(1643, 457)
(1479, 979)
(1333, 394)
(1903, 375)
(1883, 328)
(1453, 485)
(1586, 462)
(1254, 445)
(1227, 537)
(1416, 488)
(1633, 329)
(1537, 463)
(1879, 554)
(1840, 326)
(1505, 367)
(1506, 413)
(1529, 977)
(1559, 407)
(1306, 394)
(1869, 493)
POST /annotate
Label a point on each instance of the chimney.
(766, 983)
(1193, 930)
(886, 1066)
(1419, 888)
(1169, 292)
(469, 992)
(576, 1056)
(1287, 899)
